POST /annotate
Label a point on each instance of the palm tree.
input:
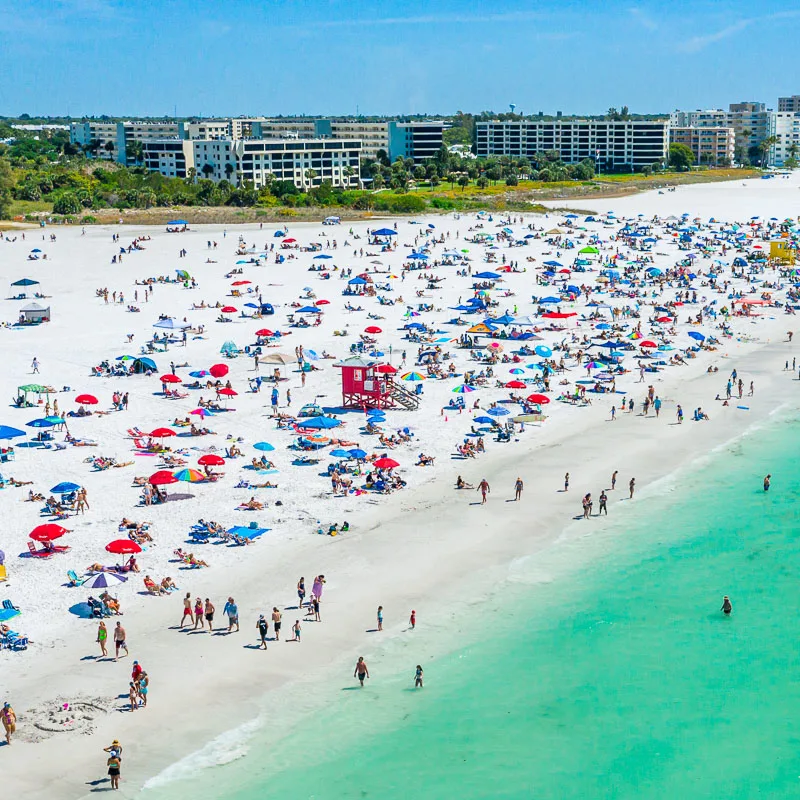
(229, 169)
(310, 174)
(191, 175)
(207, 169)
(348, 173)
(765, 147)
(110, 148)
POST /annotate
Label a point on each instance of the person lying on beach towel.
(252, 505)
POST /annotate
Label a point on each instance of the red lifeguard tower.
(369, 384)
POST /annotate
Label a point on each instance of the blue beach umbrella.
(498, 411)
(357, 452)
(484, 420)
(339, 453)
(321, 422)
(65, 487)
(7, 432)
(40, 423)
(543, 351)
(265, 447)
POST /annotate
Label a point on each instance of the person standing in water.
(614, 480)
(632, 487)
(361, 670)
(726, 606)
(380, 618)
(603, 509)
(418, 677)
(767, 480)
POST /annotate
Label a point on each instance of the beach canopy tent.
(25, 282)
(33, 388)
(142, 365)
(171, 324)
(251, 531)
(384, 232)
(33, 314)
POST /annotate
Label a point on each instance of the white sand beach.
(426, 546)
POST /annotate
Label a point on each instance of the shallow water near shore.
(619, 678)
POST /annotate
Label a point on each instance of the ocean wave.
(224, 749)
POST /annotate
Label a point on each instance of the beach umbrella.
(648, 343)
(160, 433)
(412, 376)
(385, 369)
(40, 423)
(357, 452)
(321, 422)
(122, 547)
(47, 532)
(373, 329)
(515, 385)
(211, 460)
(464, 388)
(289, 241)
(7, 432)
(162, 478)
(169, 378)
(265, 447)
(200, 412)
(228, 310)
(55, 420)
(228, 392)
(264, 332)
(240, 283)
(517, 371)
(199, 373)
(339, 453)
(483, 420)
(322, 255)
(65, 487)
(386, 463)
(103, 580)
(498, 411)
(696, 335)
(86, 400)
(539, 399)
(322, 303)
(543, 351)
(219, 370)
(384, 232)
(188, 475)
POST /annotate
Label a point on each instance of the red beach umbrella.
(240, 283)
(385, 369)
(515, 385)
(219, 370)
(664, 319)
(169, 378)
(373, 329)
(160, 433)
(162, 478)
(289, 241)
(264, 332)
(228, 392)
(540, 399)
(86, 400)
(647, 343)
(386, 463)
(228, 310)
(123, 547)
(47, 532)
(322, 303)
(211, 460)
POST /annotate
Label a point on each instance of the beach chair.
(14, 641)
(38, 553)
(8, 611)
(3, 574)
(74, 580)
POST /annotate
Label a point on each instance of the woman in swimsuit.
(301, 591)
(198, 613)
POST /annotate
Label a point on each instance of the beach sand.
(427, 547)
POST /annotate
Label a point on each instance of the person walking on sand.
(613, 413)
(35, 365)
(767, 481)
(296, 631)
(133, 698)
(361, 671)
(9, 718)
(614, 480)
(120, 642)
(263, 627)
(187, 609)
(276, 623)
(380, 618)
(418, 677)
(198, 614)
(680, 414)
(632, 487)
(209, 610)
(566, 482)
(232, 610)
(518, 487)
(114, 764)
(484, 489)
(413, 620)
(301, 592)
(726, 606)
(102, 636)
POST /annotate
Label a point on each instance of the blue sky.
(149, 57)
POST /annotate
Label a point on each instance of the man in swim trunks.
(361, 670)
(276, 623)
(767, 480)
(484, 489)
(727, 607)
(209, 614)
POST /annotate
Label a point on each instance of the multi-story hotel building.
(612, 145)
(713, 146)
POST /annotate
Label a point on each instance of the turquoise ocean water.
(618, 679)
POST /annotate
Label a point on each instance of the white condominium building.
(785, 127)
(612, 145)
